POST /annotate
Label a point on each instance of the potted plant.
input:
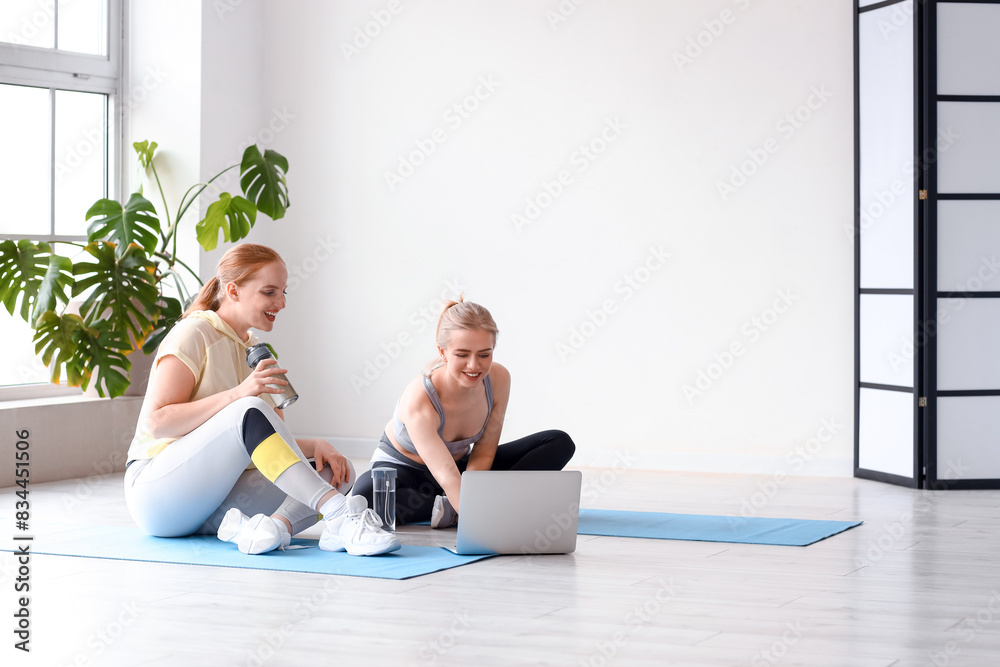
(127, 272)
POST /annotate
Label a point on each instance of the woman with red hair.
(210, 447)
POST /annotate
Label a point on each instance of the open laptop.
(519, 511)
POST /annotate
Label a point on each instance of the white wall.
(162, 97)
(369, 262)
(232, 78)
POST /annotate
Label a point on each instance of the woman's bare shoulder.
(414, 401)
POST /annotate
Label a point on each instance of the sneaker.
(358, 531)
(256, 535)
(443, 515)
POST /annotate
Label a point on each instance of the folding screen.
(927, 235)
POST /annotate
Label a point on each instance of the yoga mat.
(129, 543)
(705, 528)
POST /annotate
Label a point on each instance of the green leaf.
(31, 274)
(102, 352)
(170, 312)
(262, 178)
(55, 343)
(234, 216)
(145, 150)
(136, 222)
(124, 290)
(58, 277)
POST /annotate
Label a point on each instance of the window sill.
(33, 392)
(64, 399)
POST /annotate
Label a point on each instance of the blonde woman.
(449, 419)
(207, 416)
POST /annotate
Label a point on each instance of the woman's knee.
(561, 441)
(255, 402)
(255, 417)
(363, 486)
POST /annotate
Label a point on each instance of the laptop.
(519, 511)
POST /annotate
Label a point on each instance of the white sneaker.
(443, 515)
(256, 535)
(359, 531)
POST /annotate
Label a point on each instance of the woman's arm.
(173, 414)
(483, 451)
(323, 453)
(422, 422)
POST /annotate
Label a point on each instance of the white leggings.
(195, 480)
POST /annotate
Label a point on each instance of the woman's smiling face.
(469, 355)
(263, 295)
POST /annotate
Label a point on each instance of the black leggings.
(416, 488)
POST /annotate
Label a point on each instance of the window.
(60, 80)
(79, 26)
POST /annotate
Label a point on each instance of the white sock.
(334, 507)
(286, 537)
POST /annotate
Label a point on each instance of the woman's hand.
(325, 454)
(262, 380)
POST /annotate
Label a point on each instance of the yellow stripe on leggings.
(273, 456)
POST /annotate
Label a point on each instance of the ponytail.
(448, 305)
(208, 297)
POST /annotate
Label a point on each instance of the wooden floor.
(917, 584)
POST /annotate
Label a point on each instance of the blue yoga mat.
(704, 528)
(128, 543)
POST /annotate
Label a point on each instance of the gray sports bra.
(456, 447)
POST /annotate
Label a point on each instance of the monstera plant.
(126, 279)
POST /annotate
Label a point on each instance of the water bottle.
(255, 353)
(384, 496)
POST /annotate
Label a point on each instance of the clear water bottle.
(384, 496)
(255, 354)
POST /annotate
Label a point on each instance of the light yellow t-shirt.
(216, 356)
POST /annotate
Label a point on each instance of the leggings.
(188, 487)
(416, 487)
